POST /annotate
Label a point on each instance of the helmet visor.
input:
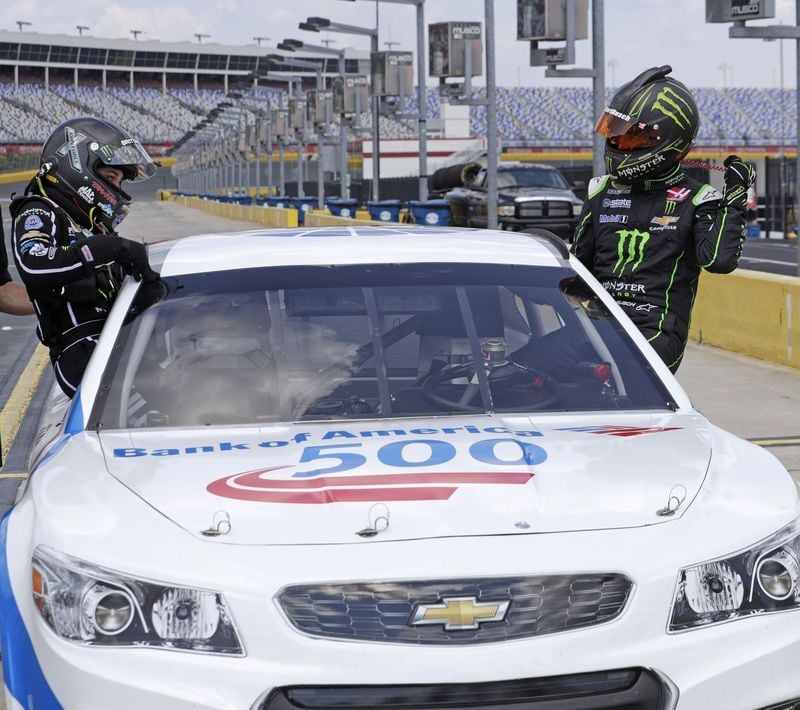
(624, 132)
(128, 155)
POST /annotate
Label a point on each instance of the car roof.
(351, 245)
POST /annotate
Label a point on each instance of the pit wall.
(747, 312)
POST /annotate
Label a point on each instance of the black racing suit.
(71, 290)
(647, 246)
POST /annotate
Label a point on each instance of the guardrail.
(750, 313)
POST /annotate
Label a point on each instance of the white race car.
(354, 468)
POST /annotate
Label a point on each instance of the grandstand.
(158, 91)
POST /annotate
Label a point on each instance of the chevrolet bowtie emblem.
(459, 613)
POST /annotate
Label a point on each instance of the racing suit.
(646, 245)
(72, 276)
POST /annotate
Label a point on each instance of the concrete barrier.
(751, 313)
(266, 216)
(319, 218)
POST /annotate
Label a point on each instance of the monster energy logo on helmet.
(672, 104)
(630, 249)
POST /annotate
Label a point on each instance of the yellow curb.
(12, 414)
(13, 475)
(782, 441)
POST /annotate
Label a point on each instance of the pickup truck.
(528, 195)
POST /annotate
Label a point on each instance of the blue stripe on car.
(75, 417)
(22, 673)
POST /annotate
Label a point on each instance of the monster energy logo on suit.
(630, 249)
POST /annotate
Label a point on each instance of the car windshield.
(531, 177)
(284, 344)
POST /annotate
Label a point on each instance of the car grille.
(383, 611)
(555, 209)
(630, 688)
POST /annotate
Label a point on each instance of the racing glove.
(739, 175)
(133, 260)
(102, 249)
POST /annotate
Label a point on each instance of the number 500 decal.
(317, 485)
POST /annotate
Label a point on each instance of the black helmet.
(68, 171)
(649, 127)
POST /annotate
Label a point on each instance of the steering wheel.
(520, 387)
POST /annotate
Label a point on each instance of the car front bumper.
(746, 664)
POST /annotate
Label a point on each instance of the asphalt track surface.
(753, 399)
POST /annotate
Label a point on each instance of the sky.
(638, 33)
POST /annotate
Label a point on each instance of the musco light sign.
(731, 10)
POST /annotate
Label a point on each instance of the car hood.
(314, 483)
(541, 193)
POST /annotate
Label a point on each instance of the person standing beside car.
(647, 229)
(65, 244)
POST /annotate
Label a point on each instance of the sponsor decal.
(616, 204)
(88, 257)
(329, 472)
(107, 196)
(51, 253)
(646, 307)
(630, 249)
(673, 106)
(664, 220)
(106, 152)
(621, 430)
(664, 228)
(678, 194)
(70, 147)
(634, 170)
(38, 249)
(618, 218)
(86, 193)
(618, 191)
(33, 222)
(107, 209)
(624, 286)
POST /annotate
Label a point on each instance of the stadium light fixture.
(22, 23)
(200, 36)
(422, 92)
(261, 39)
(80, 29)
(136, 33)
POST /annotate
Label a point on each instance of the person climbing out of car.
(647, 229)
(65, 244)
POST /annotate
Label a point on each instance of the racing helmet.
(68, 172)
(649, 126)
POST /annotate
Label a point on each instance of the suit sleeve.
(718, 232)
(583, 241)
(45, 263)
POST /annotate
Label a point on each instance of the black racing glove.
(133, 259)
(103, 249)
(739, 175)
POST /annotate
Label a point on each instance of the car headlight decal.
(96, 606)
(762, 579)
(186, 613)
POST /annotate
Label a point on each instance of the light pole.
(422, 93)
(200, 36)
(372, 33)
(136, 33)
(344, 188)
(290, 45)
(261, 39)
(22, 23)
(80, 29)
